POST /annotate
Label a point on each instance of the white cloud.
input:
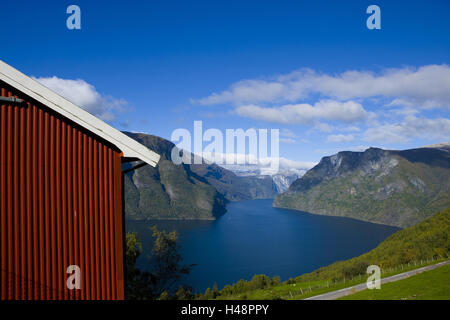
(411, 127)
(427, 87)
(405, 96)
(404, 111)
(287, 140)
(331, 151)
(287, 136)
(350, 129)
(340, 138)
(323, 127)
(348, 112)
(286, 166)
(287, 133)
(248, 91)
(86, 96)
(263, 165)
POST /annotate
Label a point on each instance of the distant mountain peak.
(442, 145)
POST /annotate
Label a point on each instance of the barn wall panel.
(60, 205)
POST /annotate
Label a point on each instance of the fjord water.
(255, 238)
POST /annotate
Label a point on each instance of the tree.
(164, 296)
(166, 261)
(215, 290)
(138, 282)
(183, 293)
(290, 281)
(208, 294)
(275, 281)
(259, 281)
(166, 268)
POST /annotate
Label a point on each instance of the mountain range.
(186, 191)
(398, 188)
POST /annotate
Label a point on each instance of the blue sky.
(310, 68)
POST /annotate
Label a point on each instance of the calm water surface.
(255, 238)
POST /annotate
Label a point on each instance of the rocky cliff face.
(197, 191)
(283, 180)
(234, 187)
(398, 188)
(168, 191)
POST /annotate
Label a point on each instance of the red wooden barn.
(61, 195)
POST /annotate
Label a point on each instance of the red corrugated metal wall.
(60, 205)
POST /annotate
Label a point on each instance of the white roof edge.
(130, 147)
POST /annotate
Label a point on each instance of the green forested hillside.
(430, 238)
(399, 188)
(185, 191)
(168, 191)
(426, 240)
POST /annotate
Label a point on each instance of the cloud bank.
(393, 105)
(305, 113)
(411, 127)
(86, 96)
(427, 87)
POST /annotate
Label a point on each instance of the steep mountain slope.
(428, 239)
(284, 180)
(197, 191)
(399, 188)
(234, 187)
(168, 191)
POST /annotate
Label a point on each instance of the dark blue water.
(255, 238)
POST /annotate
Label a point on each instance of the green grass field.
(423, 244)
(429, 285)
(306, 289)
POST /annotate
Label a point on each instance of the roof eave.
(130, 147)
